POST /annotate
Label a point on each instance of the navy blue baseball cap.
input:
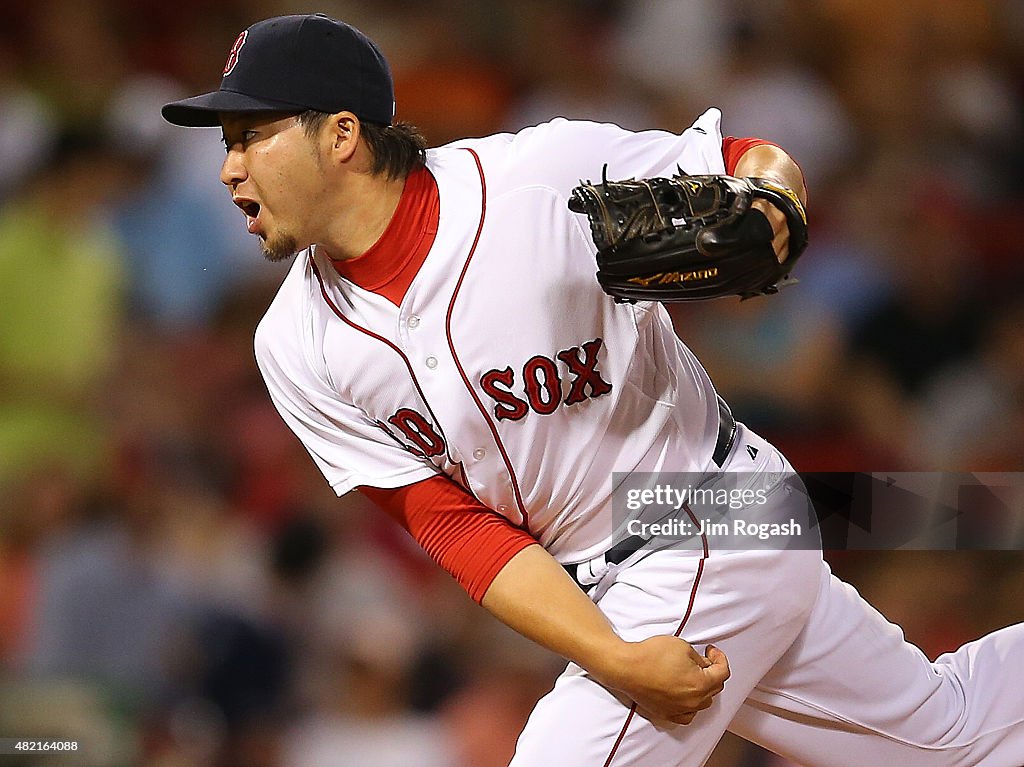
(295, 63)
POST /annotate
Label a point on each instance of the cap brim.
(204, 111)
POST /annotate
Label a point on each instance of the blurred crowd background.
(179, 587)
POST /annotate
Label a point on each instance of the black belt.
(726, 434)
(618, 553)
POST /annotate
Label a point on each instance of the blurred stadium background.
(179, 587)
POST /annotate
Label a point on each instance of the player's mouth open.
(252, 213)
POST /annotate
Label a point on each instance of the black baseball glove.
(688, 238)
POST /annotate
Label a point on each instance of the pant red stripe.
(678, 631)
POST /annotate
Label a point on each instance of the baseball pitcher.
(445, 343)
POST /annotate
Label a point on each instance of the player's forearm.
(771, 162)
(534, 596)
(663, 675)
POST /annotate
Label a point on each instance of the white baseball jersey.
(506, 366)
(508, 369)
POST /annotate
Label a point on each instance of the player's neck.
(366, 207)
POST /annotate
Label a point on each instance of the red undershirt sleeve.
(733, 148)
(472, 542)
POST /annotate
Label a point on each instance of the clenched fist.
(666, 678)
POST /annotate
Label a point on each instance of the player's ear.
(343, 135)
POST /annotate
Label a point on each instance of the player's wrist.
(612, 662)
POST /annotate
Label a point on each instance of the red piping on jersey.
(399, 352)
(678, 631)
(458, 363)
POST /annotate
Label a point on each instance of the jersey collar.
(389, 266)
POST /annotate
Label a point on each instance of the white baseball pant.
(818, 675)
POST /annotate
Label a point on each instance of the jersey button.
(503, 508)
(414, 322)
(479, 453)
(431, 362)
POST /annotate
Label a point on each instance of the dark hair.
(397, 149)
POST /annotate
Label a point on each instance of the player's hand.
(780, 242)
(669, 680)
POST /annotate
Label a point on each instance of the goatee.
(280, 248)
